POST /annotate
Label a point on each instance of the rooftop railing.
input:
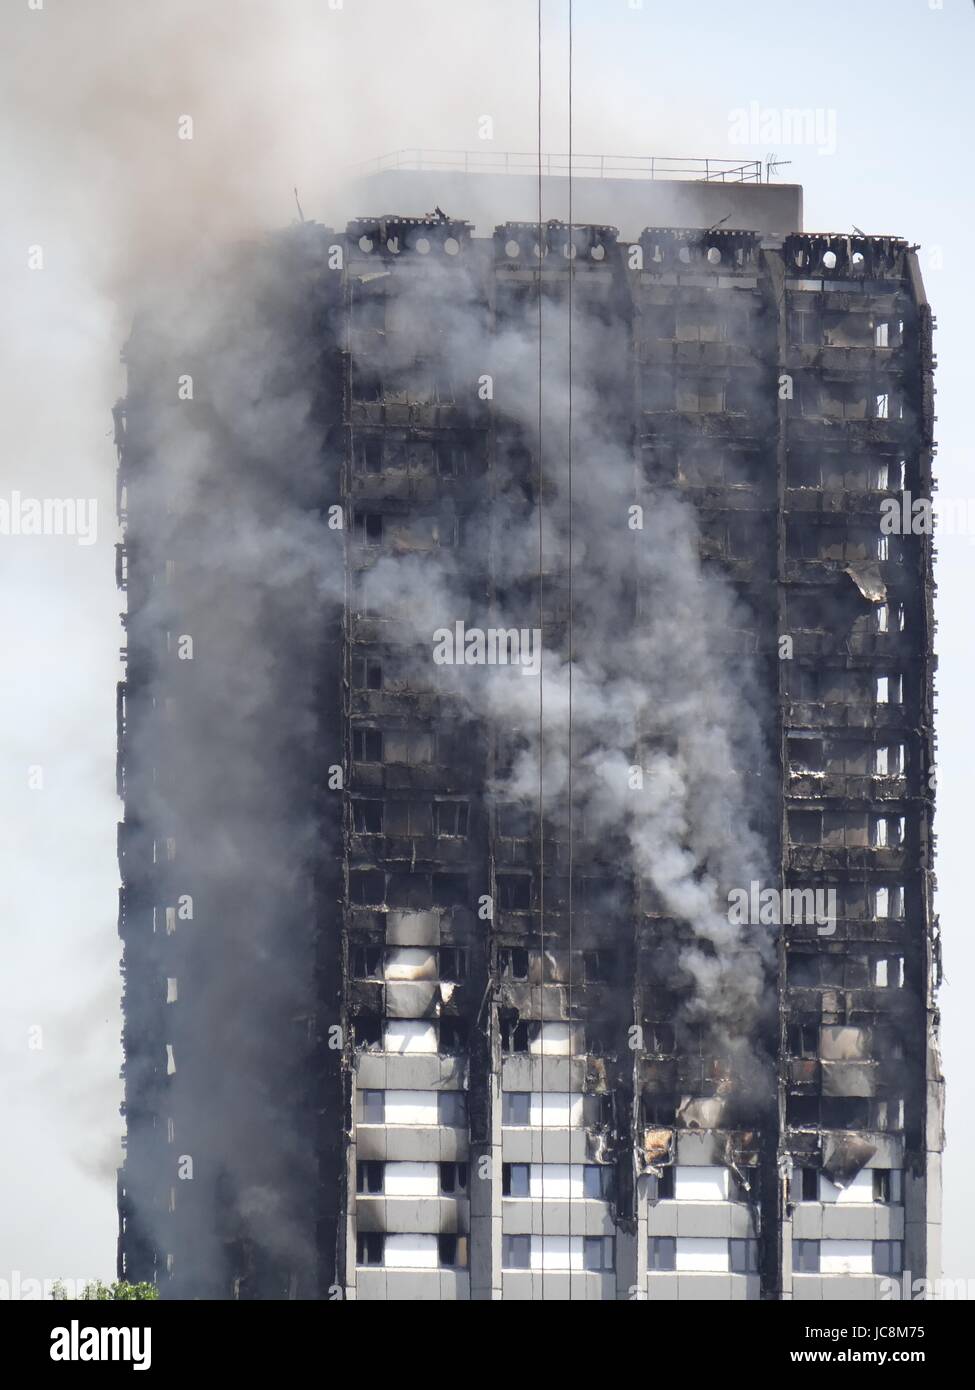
(590, 166)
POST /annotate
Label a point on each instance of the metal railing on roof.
(599, 166)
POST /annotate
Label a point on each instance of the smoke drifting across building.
(433, 983)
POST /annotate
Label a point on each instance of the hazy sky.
(286, 92)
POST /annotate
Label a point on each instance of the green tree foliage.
(120, 1289)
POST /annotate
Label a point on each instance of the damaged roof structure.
(432, 985)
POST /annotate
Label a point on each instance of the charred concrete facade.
(483, 1082)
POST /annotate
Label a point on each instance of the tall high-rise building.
(527, 753)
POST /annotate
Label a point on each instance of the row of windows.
(410, 1037)
(411, 747)
(377, 746)
(845, 400)
(814, 753)
(533, 1108)
(832, 328)
(825, 685)
(804, 1111)
(690, 1183)
(374, 1177)
(853, 829)
(448, 1036)
(836, 328)
(451, 819)
(742, 537)
(373, 887)
(373, 528)
(374, 381)
(665, 390)
(450, 963)
(701, 1255)
(808, 752)
(859, 902)
(596, 1254)
(813, 609)
(744, 391)
(881, 1185)
(810, 970)
(522, 963)
(513, 892)
(373, 454)
(378, 672)
(408, 963)
(368, 887)
(411, 1251)
(513, 820)
(445, 819)
(847, 1257)
(564, 1182)
(709, 466)
(558, 1181)
(746, 537)
(521, 1109)
(810, 1039)
(814, 683)
(883, 903)
(447, 1109)
(549, 1109)
(553, 1109)
(697, 323)
(850, 543)
(844, 472)
(525, 1036)
(845, 1112)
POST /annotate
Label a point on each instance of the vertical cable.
(541, 684)
(571, 262)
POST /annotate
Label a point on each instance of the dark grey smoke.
(232, 491)
(224, 497)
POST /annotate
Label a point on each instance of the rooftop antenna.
(772, 166)
(300, 213)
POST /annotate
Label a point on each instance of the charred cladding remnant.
(527, 846)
